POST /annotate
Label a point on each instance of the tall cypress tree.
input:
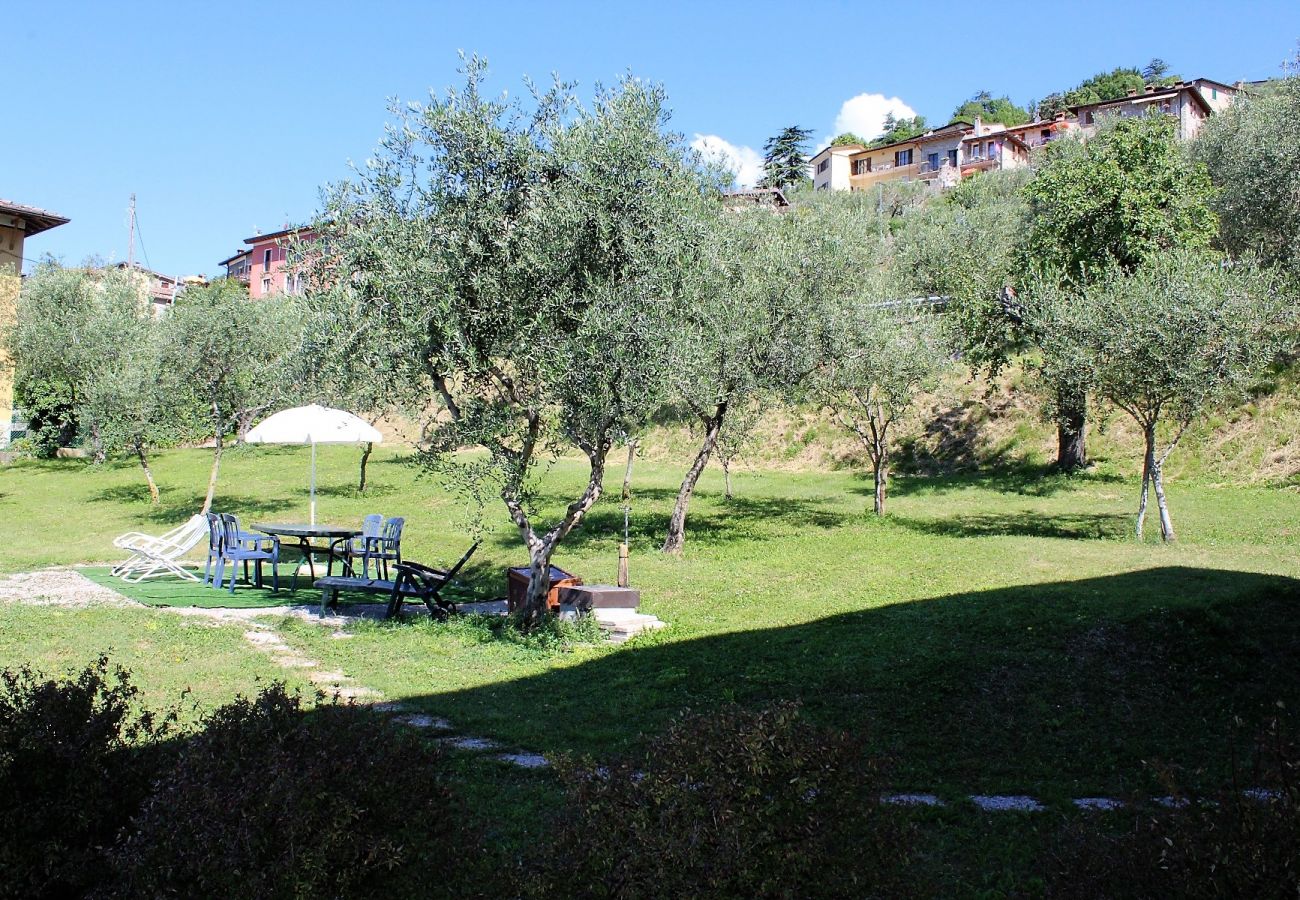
(785, 160)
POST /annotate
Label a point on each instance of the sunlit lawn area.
(995, 634)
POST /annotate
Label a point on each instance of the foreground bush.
(267, 801)
(1243, 841)
(77, 759)
(732, 804)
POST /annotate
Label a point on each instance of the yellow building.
(17, 223)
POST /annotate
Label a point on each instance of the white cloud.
(746, 162)
(864, 115)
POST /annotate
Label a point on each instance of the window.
(952, 157)
(823, 165)
(975, 151)
(862, 166)
(1214, 93)
(266, 259)
(1087, 117)
(903, 157)
(933, 160)
(266, 284)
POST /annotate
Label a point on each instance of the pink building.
(264, 265)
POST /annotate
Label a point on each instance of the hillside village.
(938, 158)
(941, 157)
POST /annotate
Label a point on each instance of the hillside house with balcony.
(830, 167)
(933, 157)
(1189, 102)
(265, 267)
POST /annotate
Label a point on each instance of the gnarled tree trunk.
(1153, 479)
(880, 467)
(542, 547)
(365, 458)
(148, 475)
(676, 538)
(1071, 434)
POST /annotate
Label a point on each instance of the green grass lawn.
(996, 633)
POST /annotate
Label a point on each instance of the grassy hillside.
(969, 424)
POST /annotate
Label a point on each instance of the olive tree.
(746, 332)
(227, 355)
(1166, 342)
(877, 360)
(1250, 152)
(524, 262)
(89, 331)
(1128, 194)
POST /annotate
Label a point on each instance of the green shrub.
(271, 801)
(1243, 841)
(732, 804)
(76, 761)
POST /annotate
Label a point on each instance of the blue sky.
(225, 119)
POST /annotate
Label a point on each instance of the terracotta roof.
(1172, 90)
(956, 126)
(37, 219)
(258, 238)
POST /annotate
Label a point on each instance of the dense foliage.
(991, 109)
(785, 158)
(77, 759)
(520, 269)
(263, 799)
(897, 129)
(267, 800)
(737, 803)
(1250, 152)
(1239, 841)
(1165, 343)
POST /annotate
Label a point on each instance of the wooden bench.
(413, 582)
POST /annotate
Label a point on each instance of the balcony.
(882, 174)
(980, 164)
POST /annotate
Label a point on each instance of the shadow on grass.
(1081, 526)
(1067, 685)
(177, 506)
(1029, 479)
(712, 520)
(373, 491)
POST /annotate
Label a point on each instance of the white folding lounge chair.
(162, 555)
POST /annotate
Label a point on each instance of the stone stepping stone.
(472, 743)
(525, 760)
(1018, 803)
(911, 800)
(1104, 804)
(419, 720)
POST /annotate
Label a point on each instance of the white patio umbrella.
(313, 425)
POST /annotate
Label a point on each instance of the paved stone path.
(68, 587)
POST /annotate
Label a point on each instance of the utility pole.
(130, 236)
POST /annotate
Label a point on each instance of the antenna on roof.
(130, 236)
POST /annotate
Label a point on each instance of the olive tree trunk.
(542, 547)
(1071, 433)
(218, 424)
(676, 538)
(365, 458)
(148, 474)
(880, 467)
(1153, 479)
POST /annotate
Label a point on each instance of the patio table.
(304, 533)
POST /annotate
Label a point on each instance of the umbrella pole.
(313, 482)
